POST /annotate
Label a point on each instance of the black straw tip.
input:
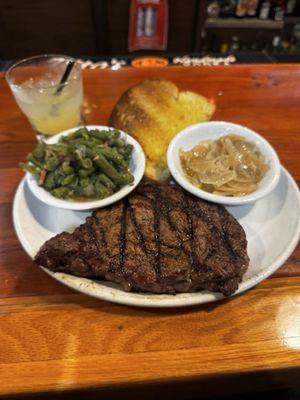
(65, 76)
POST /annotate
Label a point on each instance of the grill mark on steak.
(156, 231)
(159, 239)
(199, 265)
(93, 235)
(122, 237)
(140, 236)
(102, 244)
(223, 232)
(139, 233)
(186, 207)
(216, 233)
(166, 213)
(102, 233)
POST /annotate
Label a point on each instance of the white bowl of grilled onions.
(223, 162)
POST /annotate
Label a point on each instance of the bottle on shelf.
(290, 6)
(227, 8)
(264, 10)
(252, 8)
(213, 9)
(235, 44)
(276, 44)
(277, 10)
(286, 45)
(296, 35)
(293, 46)
(254, 46)
(224, 48)
(241, 8)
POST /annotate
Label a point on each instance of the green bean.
(78, 191)
(128, 149)
(66, 168)
(65, 139)
(103, 135)
(85, 134)
(111, 154)
(87, 143)
(59, 176)
(94, 177)
(126, 163)
(80, 150)
(90, 152)
(51, 163)
(74, 184)
(106, 181)
(57, 149)
(80, 132)
(126, 178)
(84, 182)
(97, 142)
(101, 190)
(115, 134)
(33, 169)
(67, 180)
(60, 192)
(49, 183)
(83, 173)
(86, 163)
(39, 151)
(107, 168)
(119, 143)
(34, 161)
(89, 191)
(122, 167)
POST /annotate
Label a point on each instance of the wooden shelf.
(291, 20)
(246, 23)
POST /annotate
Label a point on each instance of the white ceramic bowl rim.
(138, 158)
(264, 146)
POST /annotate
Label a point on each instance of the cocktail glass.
(50, 106)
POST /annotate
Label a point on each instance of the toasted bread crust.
(153, 111)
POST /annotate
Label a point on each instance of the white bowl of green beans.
(85, 168)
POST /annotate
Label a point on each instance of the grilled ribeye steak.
(159, 239)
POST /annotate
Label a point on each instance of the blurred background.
(98, 28)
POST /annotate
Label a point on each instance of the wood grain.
(262, 333)
(53, 339)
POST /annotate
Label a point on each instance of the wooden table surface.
(53, 339)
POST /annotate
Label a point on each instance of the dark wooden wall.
(39, 26)
(84, 27)
(100, 28)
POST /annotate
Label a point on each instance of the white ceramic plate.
(137, 168)
(272, 226)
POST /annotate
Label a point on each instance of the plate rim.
(165, 300)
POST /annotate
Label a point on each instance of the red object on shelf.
(148, 25)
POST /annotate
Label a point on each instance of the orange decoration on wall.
(143, 62)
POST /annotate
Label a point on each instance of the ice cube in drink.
(48, 111)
